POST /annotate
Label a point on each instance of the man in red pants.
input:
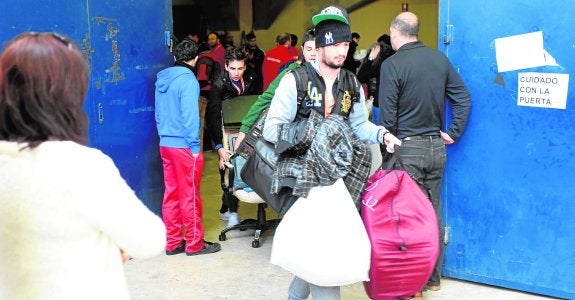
(178, 123)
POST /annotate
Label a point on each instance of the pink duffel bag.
(402, 227)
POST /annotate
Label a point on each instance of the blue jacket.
(177, 113)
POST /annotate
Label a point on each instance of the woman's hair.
(43, 83)
(385, 47)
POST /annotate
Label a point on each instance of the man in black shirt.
(414, 83)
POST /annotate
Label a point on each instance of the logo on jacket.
(346, 102)
(314, 97)
(328, 38)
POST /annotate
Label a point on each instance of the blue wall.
(124, 42)
(508, 192)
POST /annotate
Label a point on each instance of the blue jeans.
(300, 289)
(424, 159)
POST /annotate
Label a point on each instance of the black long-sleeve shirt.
(412, 90)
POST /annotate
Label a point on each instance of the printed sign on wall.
(547, 90)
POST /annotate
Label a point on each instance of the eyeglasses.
(64, 40)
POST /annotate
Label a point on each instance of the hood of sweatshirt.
(167, 76)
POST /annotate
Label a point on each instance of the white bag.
(322, 239)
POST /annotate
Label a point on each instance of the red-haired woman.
(67, 218)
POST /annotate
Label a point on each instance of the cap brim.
(323, 17)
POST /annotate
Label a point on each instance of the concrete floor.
(240, 272)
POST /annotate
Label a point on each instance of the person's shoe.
(417, 296)
(209, 247)
(181, 249)
(225, 216)
(234, 219)
(433, 287)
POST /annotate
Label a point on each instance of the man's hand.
(239, 140)
(390, 141)
(374, 51)
(446, 138)
(224, 155)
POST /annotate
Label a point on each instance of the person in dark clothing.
(350, 63)
(368, 72)
(414, 84)
(236, 80)
(255, 61)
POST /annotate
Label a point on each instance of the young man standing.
(335, 91)
(236, 80)
(178, 124)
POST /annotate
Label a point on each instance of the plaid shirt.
(335, 152)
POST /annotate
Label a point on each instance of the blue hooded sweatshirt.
(177, 112)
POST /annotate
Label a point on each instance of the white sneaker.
(234, 219)
(225, 216)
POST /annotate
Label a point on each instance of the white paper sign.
(548, 90)
(521, 52)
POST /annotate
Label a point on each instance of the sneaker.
(180, 249)
(234, 219)
(225, 216)
(209, 247)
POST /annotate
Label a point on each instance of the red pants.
(182, 206)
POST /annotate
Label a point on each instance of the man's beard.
(332, 65)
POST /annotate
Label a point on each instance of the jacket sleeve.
(190, 94)
(359, 123)
(116, 211)
(368, 70)
(263, 101)
(460, 100)
(283, 108)
(214, 112)
(388, 96)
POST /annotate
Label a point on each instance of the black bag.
(258, 172)
(246, 147)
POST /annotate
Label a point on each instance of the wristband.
(382, 133)
(218, 147)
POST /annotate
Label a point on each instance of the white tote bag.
(322, 239)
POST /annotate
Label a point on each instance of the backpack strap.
(300, 75)
(301, 83)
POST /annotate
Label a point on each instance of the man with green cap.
(332, 91)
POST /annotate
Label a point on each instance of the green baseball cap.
(332, 12)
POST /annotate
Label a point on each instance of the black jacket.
(414, 84)
(255, 63)
(223, 90)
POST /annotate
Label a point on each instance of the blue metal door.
(508, 185)
(125, 43)
(127, 49)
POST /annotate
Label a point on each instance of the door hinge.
(448, 37)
